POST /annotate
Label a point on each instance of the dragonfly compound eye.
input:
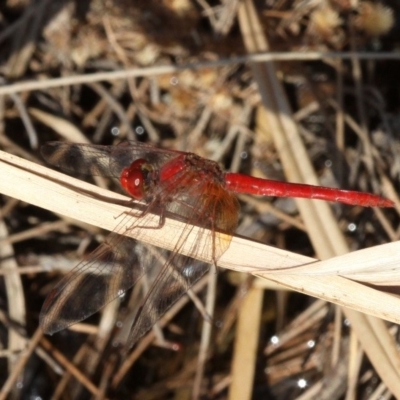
(133, 178)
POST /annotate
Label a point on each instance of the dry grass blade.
(19, 366)
(378, 265)
(60, 125)
(62, 194)
(246, 345)
(205, 335)
(15, 297)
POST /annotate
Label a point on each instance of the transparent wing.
(106, 273)
(109, 271)
(87, 159)
(175, 279)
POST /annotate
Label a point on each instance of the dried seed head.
(374, 18)
(180, 7)
(324, 20)
(325, 23)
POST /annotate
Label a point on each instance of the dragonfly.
(165, 182)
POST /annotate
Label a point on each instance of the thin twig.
(168, 69)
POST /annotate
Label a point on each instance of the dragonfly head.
(135, 178)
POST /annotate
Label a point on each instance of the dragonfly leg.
(161, 222)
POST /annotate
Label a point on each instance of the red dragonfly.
(166, 182)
